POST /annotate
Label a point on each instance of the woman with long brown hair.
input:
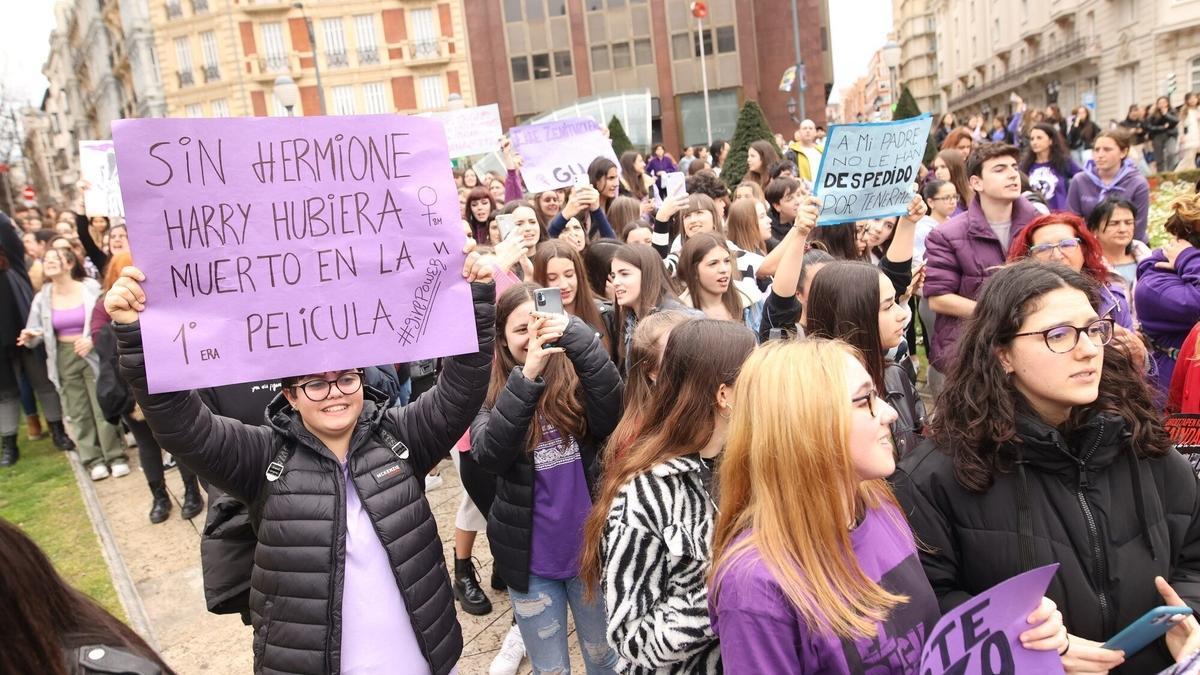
(646, 542)
(53, 629)
(712, 283)
(540, 431)
(556, 264)
(759, 158)
(951, 166)
(749, 225)
(481, 211)
(814, 567)
(640, 288)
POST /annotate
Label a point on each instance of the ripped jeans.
(542, 619)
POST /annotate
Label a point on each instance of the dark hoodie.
(1081, 499)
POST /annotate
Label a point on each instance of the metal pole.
(800, 87)
(312, 39)
(704, 80)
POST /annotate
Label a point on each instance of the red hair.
(1093, 259)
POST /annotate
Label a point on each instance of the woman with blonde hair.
(646, 541)
(815, 568)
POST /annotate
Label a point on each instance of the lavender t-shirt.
(377, 635)
(561, 502)
(761, 632)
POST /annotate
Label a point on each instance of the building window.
(425, 38)
(275, 55)
(364, 39)
(375, 97)
(343, 100)
(621, 57)
(541, 66)
(174, 9)
(562, 63)
(512, 10)
(220, 108)
(600, 58)
(208, 48)
(194, 110)
(535, 10)
(681, 46)
(556, 8)
(335, 43)
(433, 91)
(520, 68)
(183, 56)
(594, 5)
(643, 52)
(726, 40)
(708, 42)
(616, 4)
(723, 107)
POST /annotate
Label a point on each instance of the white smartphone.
(581, 181)
(675, 184)
(506, 222)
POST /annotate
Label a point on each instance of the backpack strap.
(275, 468)
(398, 448)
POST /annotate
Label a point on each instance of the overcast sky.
(859, 28)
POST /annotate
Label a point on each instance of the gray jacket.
(41, 317)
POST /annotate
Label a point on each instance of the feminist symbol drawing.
(428, 197)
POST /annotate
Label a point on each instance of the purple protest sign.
(284, 246)
(553, 153)
(982, 636)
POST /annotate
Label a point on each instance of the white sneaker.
(512, 651)
(120, 469)
(433, 482)
(99, 472)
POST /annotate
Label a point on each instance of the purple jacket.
(962, 253)
(665, 165)
(1168, 306)
(1087, 190)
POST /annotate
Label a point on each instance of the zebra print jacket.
(656, 550)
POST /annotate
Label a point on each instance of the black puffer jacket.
(296, 585)
(1111, 521)
(499, 445)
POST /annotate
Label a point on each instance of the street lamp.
(891, 58)
(286, 92)
(312, 40)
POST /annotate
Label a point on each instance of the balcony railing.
(211, 73)
(186, 79)
(174, 10)
(273, 63)
(199, 6)
(337, 59)
(368, 56)
(1069, 53)
(424, 49)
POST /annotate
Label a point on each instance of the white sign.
(472, 131)
(98, 166)
(553, 153)
(868, 170)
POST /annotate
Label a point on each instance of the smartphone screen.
(506, 222)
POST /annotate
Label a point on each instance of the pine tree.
(616, 134)
(907, 107)
(751, 126)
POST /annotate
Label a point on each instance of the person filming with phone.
(584, 203)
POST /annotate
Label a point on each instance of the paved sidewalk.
(164, 564)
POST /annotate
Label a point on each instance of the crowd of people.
(748, 444)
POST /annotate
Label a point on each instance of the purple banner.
(553, 153)
(983, 635)
(287, 246)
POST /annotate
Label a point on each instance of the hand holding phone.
(1151, 626)
(506, 222)
(675, 184)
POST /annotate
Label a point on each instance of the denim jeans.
(542, 619)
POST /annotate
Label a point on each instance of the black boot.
(193, 503)
(498, 583)
(467, 590)
(9, 454)
(58, 434)
(160, 508)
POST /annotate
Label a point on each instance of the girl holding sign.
(554, 398)
(815, 568)
(1048, 446)
(349, 574)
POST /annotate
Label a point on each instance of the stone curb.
(126, 590)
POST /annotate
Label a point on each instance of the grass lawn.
(40, 496)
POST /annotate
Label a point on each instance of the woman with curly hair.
(1167, 296)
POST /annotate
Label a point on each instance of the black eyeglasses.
(319, 390)
(869, 397)
(1062, 339)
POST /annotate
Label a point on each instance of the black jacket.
(1162, 124)
(499, 445)
(1081, 137)
(296, 585)
(1085, 501)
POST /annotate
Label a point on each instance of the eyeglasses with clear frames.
(1063, 339)
(1043, 251)
(319, 390)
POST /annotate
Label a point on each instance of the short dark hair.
(779, 188)
(44, 235)
(987, 152)
(706, 182)
(779, 167)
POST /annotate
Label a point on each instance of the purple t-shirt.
(1052, 183)
(761, 632)
(560, 506)
(377, 635)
